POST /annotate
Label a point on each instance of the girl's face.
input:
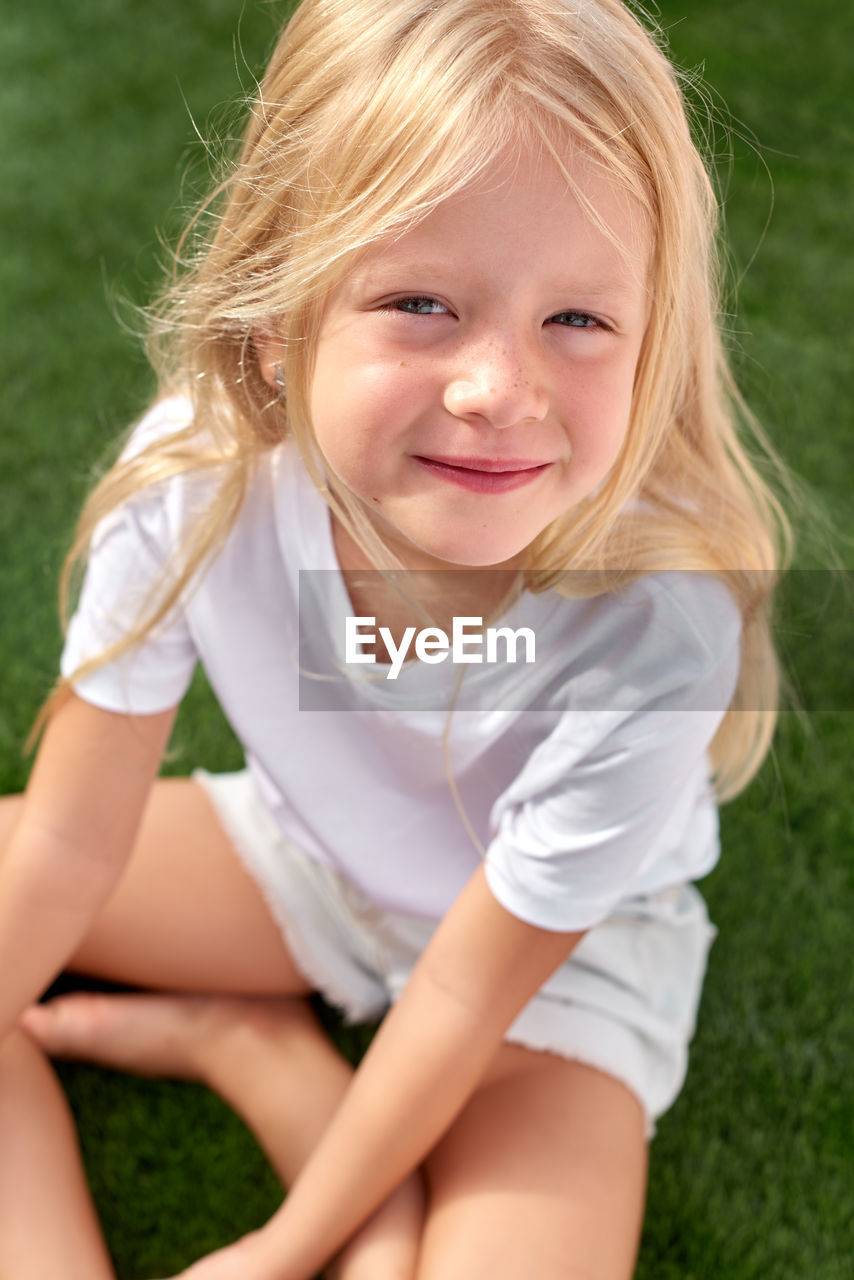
(474, 376)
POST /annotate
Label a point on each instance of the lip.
(484, 464)
(484, 475)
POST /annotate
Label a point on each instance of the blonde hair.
(370, 114)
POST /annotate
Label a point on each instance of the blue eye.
(418, 306)
(577, 320)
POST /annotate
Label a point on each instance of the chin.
(475, 557)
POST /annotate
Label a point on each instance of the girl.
(449, 358)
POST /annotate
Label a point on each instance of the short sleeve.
(622, 782)
(129, 558)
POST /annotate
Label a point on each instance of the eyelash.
(595, 322)
(397, 304)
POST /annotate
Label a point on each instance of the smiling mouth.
(489, 465)
(484, 475)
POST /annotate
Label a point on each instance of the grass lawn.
(752, 1171)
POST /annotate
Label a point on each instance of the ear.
(270, 350)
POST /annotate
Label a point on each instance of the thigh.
(185, 915)
(543, 1174)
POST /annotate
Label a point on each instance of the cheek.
(363, 400)
(382, 393)
(599, 419)
(359, 412)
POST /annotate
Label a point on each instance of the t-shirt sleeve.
(129, 562)
(615, 786)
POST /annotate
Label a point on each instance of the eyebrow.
(607, 288)
(610, 289)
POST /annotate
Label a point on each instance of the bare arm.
(74, 835)
(481, 968)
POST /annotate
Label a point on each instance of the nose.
(495, 382)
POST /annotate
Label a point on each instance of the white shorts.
(625, 1001)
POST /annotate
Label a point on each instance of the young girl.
(448, 359)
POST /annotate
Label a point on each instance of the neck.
(428, 592)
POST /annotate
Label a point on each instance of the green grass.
(752, 1170)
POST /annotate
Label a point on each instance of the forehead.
(529, 210)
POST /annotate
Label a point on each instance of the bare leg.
(269, 1059)
(187, 917)
(542, 1174)
(48, 1226)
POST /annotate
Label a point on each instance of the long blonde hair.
(370, 114)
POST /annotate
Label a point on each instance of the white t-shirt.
(583, 774)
